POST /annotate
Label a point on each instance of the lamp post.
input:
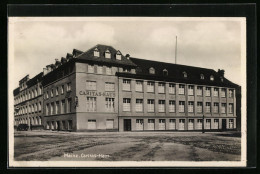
(203, 131)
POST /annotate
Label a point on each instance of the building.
(103, 90)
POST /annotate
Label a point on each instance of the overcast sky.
(214, 44)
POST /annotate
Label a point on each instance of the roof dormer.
(118, 55)
(151, 70)
(185, 75)
(165, 72)
(96, 52)
(202, 76)
(211, 78)
(107, 54)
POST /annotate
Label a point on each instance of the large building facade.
(102, 90)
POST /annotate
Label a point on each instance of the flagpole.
(176, 51)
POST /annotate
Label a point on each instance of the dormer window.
(165, 72)
(96, 52)
(185, 74)
(107, 54)
(222, 79)
(152, 70)
(118, 55)
(212, 78)
(202, 76)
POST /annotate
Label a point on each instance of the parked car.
(22, 127)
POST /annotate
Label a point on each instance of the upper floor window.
(99, 69)
(110, 104)
(208, 107)
(57, 91)
(126, 104)
(107, 54)
(62, 89)
(90, 68)
(190, 90)
(108, 70)
(165, 72)
(199, 90)
(36, 92)
(126, 70)
(139, 105)
(91, 85)
(208, 91)
(68, 86)
(161, 87)
(230, 108)
(201, 76)
(51, 92)
(150, 86)
(190, 106)
(118, 55)
(109, 86)
(212, 78)
(216, 91)
(150, 105)
(96, 52)
(171, 106)
(172, 88)
(139, 86)
(47, 94)
(223, 92)
(231, 93)
(181, 89)
(185, 74)
(126, 84)
(161, 107)
(181, 106)
(151, 70)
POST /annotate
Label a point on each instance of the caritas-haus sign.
(97, 94)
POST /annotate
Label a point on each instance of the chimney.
(127, 56)
(221, 72)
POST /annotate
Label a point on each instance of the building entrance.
(224, 124)
(127, 125)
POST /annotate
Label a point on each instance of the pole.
(176, 51)
(203, 131)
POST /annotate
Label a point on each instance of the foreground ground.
(130, 146)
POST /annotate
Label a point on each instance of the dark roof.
(88, 56)
(175, 73)
(16, 91)
(35, 80)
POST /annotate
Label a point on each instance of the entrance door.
(150, 124)
(127, 124)
(224, 124)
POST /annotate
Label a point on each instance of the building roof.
(175, 73)
(88, 56)
(16, 91)
(35, 80)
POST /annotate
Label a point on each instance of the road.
(126, 146)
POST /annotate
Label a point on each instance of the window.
(99, 69)
(208, 124)
(52, 108)
(90, 68)
(109, 86)
(181, 124)
(216, 108)
(107, 54)
(181, 89)
(118, 55)
(199, 91)
(62, 89)
(201, 76)
(161, 107)
(231, 93)
(231, 123)
(108, 70)
(230, 108)
(126, 85)
(126, 70)
(91, 85)
(150, 105)
(126, 104)
(207, 107)
(47, 94)
(208, 91)
(199, 107)
(216, 91)
(96, 52)
(40, 106)
(171, 106)
(62, 111)
(181, 106)
(51, 92)
(139, 86)
(68, 87)
(40, 90)
(216, 123)
(110, 104)
(139, 105)
(199, 124)
(91, 104)
(212, 78)
(165, 72)
(190, 106)
(151, 70)
(36, 107)
(185, 74)
(36, 92)
(57, 107)
(150, 86)
(47, 109)
(223, 108)
(190, 90)
(57, 91)
(69, 105)
(223, 92)
(161, 88)
(172, 88)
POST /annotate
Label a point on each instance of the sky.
(202, 42)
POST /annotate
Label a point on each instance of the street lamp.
(203, 131)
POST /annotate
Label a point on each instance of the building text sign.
(97, 94)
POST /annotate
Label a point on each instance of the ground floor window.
(52, 125)
(151, 124)
(208, 124)
(139, 124)
(172, 124)
(231, 123)
(110, 123)
(63, 125)
(161, 124)
(48, 125)
(191, 124)
(70, 125)
(199, 124)
(91, 124)
(181, 124)
(216, 123)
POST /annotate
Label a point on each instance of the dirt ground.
(126, 146)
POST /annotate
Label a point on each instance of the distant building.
(103, 90)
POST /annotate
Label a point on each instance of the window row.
(139, 87)
(59, 125)
(28, 95)
(37, 107)
(172, 106)
(58, 91)
(32, 120)
(59, 107)
(107, 54)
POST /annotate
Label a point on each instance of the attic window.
(222, 79)
(165, 72)
(107, 54)
(151, 70)
(212, 78)
(118, 55)
(202, 76)
(185, 74)
(96, 52)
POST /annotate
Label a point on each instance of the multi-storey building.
(28, 102)
(101, 89)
